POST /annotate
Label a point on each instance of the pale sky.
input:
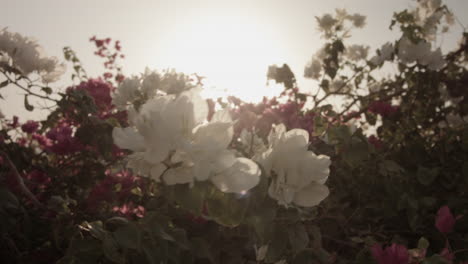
(230, 42)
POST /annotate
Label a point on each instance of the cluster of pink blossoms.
(116, 187)
(399, 254)
(263, 115)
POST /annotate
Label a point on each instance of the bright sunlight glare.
(232, 52)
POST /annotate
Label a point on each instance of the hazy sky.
(231, 42)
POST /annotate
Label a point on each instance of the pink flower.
(43, 141)
(63, 141)
(383, 108)
(394, 254)
(30, 127)
(38, 179)
(119, 77)
(445, 220)
(129, 210)
(99, 90)
(107, 75)
(105, 191)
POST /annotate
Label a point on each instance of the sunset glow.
(232, 52)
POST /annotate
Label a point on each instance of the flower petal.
(311, 195)
(214, 135)
(297, 138)
(222, 116)
(179, 175)
(128, 138)
(241, 177)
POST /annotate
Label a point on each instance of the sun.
(232, 52)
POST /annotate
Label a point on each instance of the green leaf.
(356, 152)
(226, 209)
(191, 199)
(27, 105)
(423, 243)
(312, 256)
(435, 259)
(316, 235)
(389, 168)
(426, 176)
(201, 249)
(277, 245)
(320, 126)
(180, 237)
(298, 237)
(128, 236)
(261, 218)
(4, 83)
(8, 199)
(46, 90)
(111, 250)
(96, 229)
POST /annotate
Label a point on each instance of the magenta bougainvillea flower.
(394, 254)
(445, 220)
(30, 127)
(382, 108)
(99, 90)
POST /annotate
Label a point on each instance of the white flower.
(313, 69)
(172, 140)
(341, 14)
(358, 20)
(28, 56)
(163, 125)
(326, 23)
(126, 93)
(150, 84)
(297, 175)
(242, 176)
(254, 145)
(356, 52)
(128, 138)
(383, 54)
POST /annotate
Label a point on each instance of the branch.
(22, 186)
(26, 89)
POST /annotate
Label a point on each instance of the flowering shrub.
(142, 169)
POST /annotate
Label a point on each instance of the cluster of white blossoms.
(147, 86)
(428, 15)
(313, 69)
(327, 23)
(172, 141)
(357, 52)
(409, 52)
(297, 175)
(28, 56)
